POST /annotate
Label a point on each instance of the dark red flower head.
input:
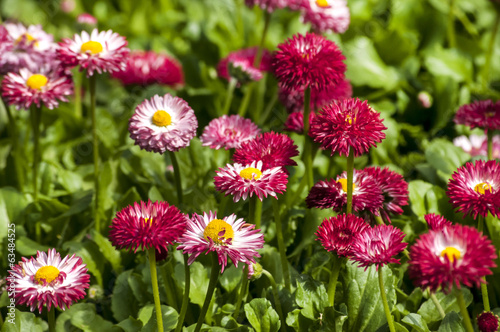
(484, 114)
(436, 222)
(487, 321)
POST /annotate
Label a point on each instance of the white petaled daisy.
(49, 280)
(327, 15)
(245, 181)
(227, 237)
(104, 51)
(229, 132)
(163, 123)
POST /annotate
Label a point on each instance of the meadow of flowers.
(250, 165)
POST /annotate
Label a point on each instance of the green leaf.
(83, 316)
(231, 278)
(22, 322)
(311, 296)
(448, 62)
(451, 323)
(108, 250)
(417, 190)
(27, 247)
(416, 322)
(89, 252)
(130, 325)
(170, 317)
(445, 157)
(199, 281)
(262, 316)
(448, 302)
(124, 303)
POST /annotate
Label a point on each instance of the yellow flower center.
(92, 47)
(219, 231)
(482, 187)
(148, 221)
(250, 173)
(451, 252)
(46, 273)
(322, 3)
(162, 118)
(27, 37)
(349, 119)
(343, 182)
(36, 81)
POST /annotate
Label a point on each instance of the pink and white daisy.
(366, 195)
(163, 123)
(44, 85)
(475, 188)
(240, 65)
(377, 245)
(104, 51)
(243, 181)
(228, 132)
(308, 61)
(326, 15)
(227, 237)
(271, 5)
(347, 124)
(148, 67)
(477, 145)
(453, 256)
(86, 18)
(484, 114)
(271, 148)
(436, 222)
(49, 280)
(147, 225)
(337, 233)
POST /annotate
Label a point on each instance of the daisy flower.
(366, 194)
(245, 181)
(475, 188)
(147, 225)
(337, 233)
(477, 145)
(44, 85)
(228, 132)
(271, 148)
(227, 237)
(377, 245)
(436, 222)
(453, 256)
(86, 18)
(308, 61)
(148, 67)
(347, 124)
(483, 114)
(295, 122)
(163, 123)
(240, 65)
(271, 5)
(49, 280)
(104, 51)
(326, 15)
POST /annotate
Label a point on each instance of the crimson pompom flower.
(163, 123)
(271, 148)
(148, 67)
(453, 256)
(377, 245)
(240, 65)
(104, 51)
(295, 122)
(337, 233)
(227, 237)
(228, 132)
(326, 15)
(436, 222)
(44, 85)
(243, 181)
(309, 61)
(366, 194)
(487, 321)
(347, 124)
(147, 225)
(484, 114)
(49, 280)
(475, 188)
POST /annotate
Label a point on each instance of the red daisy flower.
(436, 222)
(487, 321)
(309, 60)
(326, 15)
(240, 65)
(483, 114)
(245, 181)
(366, 195)
(453, 256)
(295, 122)
(475, 188)
(377, 246)
(228, 132)
(337, 233)
(347, 124)
(271, 148)
(147, 225)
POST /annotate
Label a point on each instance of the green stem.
(242, 293)
(222, 205)
(177, 175)
(489, 52)
(308, 158)
(156, 292)
(490, 144)
(281, 245)
(36, 116)
(185, 298)
(334, 276)
(463, 310)
(170, 285)
(78, 94)
(451, 25)
(484, 287)
(95, 142)
(277, 301)
(378, 219)
(437, 304)
(214, 276)
(229, 95)
(387, 311)
(255, 211)
(258, 56)
(350, 171)
(268, 109)
(12, 128)
(246, 100)
(51, 315)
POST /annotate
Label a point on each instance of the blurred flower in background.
(240, 65)
(228, 132)
(477, 145)
(326, 15)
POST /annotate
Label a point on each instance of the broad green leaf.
(416, 322)
(83, 316)
(124, 304)
(448, 302)
(130, 325)
(231, 279)
(311, 296)
(108, 251)
(448, 62)
(90, 254)
(169, 315)
(26, 247)
(20, 321)
(417, 190)
(199, 281)
(262, 316)
(451, 323)
(445, 157)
